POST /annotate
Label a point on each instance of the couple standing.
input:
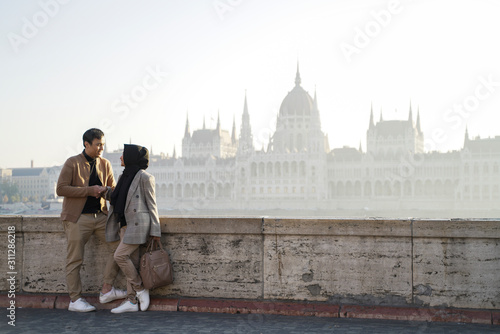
(86, 181)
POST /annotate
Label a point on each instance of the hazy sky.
(136, 68)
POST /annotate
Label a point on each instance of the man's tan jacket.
(73, 184)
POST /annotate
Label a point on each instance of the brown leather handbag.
(155, 268)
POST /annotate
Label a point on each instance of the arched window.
(368, 189)
(187, 191)
(269, 169)
(294, 168)
(302, 169)
(277, 169)
(262, 170)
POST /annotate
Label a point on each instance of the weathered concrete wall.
(348, 261)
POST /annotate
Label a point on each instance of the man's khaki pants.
(77, 235)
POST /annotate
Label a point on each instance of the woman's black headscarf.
(135, 158)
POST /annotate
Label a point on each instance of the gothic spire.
(466, 139)
(245, 106)
(218, 122)
(297, 76)
(316, 121)
(315, 99)
(372, 124)
(418, 120)
(233, 134)
(245, 143)
(410, 115)
(187, 131)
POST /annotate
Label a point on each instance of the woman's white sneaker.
(126, 306)
(113, 294)
(143, 297)
(80, 305)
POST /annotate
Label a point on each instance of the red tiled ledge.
(281, 308)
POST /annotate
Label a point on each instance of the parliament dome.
(298, 102)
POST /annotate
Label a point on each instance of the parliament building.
(222, 171)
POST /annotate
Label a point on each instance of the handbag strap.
(151, 245)
(158, 242)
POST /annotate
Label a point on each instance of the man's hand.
(96, 191)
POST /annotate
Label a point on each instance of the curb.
(488, 317)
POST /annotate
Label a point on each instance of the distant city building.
(298, 170)
(33, 183)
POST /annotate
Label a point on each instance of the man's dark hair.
(92, 134)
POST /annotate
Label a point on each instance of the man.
(83, 179)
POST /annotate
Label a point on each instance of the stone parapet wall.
(432, 263)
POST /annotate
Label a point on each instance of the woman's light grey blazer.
(141, 212)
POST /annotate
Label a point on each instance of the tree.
(10, 190)
(15, 198)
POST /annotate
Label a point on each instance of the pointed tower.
(315, 105)
(187, 131)
(410, 116)
(269, 144)
(174, 155)
(297, 76)
(186, 141)
(372, 124)
(217, 129)
(233, 132)
(298, 127)
(371, 133)
(466, 139)
(245, 144)
(315, 121)
(418, 121)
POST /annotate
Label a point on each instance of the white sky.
(70, 73)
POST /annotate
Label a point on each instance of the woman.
(132, 218)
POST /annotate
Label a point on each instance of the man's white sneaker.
(114, 294)
(80, 305)
(143, 297)
(126, 306)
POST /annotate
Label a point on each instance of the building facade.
(219, 170)
(34, 184)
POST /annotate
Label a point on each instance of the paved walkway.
(32, 320)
